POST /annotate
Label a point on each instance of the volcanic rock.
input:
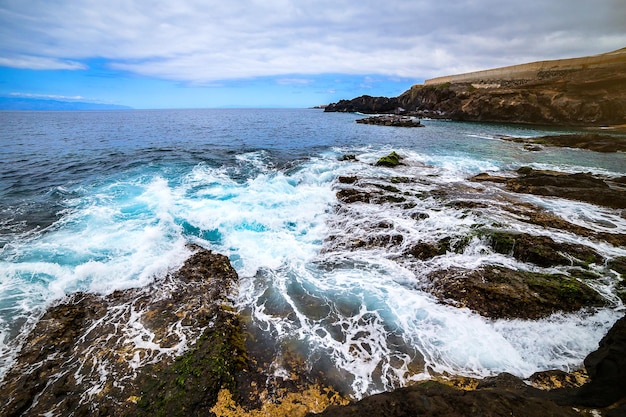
(588, 91)
(579, 186)
(391, 120)
(499, 292)
(166, 349)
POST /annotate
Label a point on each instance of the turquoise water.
(100, 201)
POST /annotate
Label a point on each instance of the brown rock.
(498, 292)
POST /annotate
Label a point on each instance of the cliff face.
(588, 91)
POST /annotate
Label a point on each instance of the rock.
(540, 250)
(365, 104)
(507, 395)
(347, 180)
(166, 349)
(592, 141)
(392, 160)
(556, 379)
(587, 91)
(579, 186)
(391, 120)
(348, 157)
(534, 215)
(607, 370)
(428, 250)
(490, 178)
(499, 292)
(502, 398)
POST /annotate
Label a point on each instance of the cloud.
(46, 96)
(39, 63)
(199, 41)
(294, 81)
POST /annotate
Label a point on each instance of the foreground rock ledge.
(506, 395)
(166, 349)
(174, 348)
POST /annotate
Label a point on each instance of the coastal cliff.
(588, 91)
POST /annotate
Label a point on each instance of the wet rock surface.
(579, 186)
(438, 399)
(499, 292)
(592, 141)
(391, 120)
(607, 369)
(566, 394)
(165, 349)
(174, 348)
(559, 276)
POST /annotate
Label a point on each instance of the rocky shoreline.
(60, 368)
(179, 347)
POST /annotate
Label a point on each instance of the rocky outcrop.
(166, 349)
(391, 120)
(494, 291)
(364, 104)
(174, 348)
(607, 371)
(608, 192)
(391, 160)
(587, 91)
(591, 141)
(502, 396)
(499, 292)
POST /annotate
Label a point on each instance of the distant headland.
(29, 103)
(587, 91)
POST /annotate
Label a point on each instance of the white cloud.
(47, 96)
(39, 63)
(293, 81)
(200, 41)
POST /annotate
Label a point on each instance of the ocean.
(98, 201)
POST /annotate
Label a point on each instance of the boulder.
(392, 160)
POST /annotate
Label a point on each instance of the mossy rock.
(190, 386)
(498, 292)
(540, 250)
(391, 160)
(425, 250)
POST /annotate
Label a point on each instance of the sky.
(279, 53)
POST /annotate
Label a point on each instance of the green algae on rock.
(499, 292)
(391, 160)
